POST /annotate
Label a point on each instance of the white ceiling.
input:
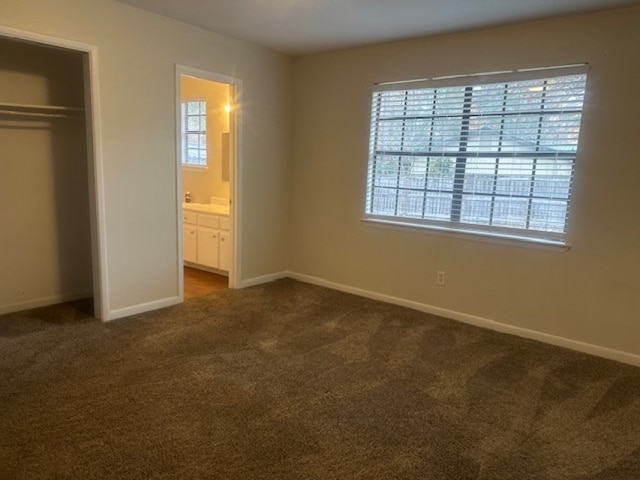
(304, 26)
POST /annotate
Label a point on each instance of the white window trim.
(546, 239)
(469, 233)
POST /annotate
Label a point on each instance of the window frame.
(453, 223)
(185, 132)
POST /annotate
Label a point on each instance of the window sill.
(195, 167)
(471, 234)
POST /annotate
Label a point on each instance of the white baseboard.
(42, 302)
(620, 356)
(597, 350)
(142, 308)
(250, 282)
(167, 302)
(204, 268)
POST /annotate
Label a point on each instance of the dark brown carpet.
(292, 381)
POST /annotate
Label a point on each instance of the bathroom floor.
(198, 282)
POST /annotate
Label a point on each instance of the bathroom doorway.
(206, 139)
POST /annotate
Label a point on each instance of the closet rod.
(40, 107)
(35, 114)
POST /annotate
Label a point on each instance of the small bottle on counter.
(187, 197)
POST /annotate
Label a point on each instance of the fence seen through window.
(194, 133)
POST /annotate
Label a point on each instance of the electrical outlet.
(440, 278)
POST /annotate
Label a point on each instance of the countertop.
(206, 208)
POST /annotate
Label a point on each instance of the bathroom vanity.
(206, 236)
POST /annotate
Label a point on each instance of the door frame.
(95, 163)
(235, 170)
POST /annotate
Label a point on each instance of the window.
(194, 133)
(465, 154)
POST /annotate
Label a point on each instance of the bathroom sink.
(206, 208)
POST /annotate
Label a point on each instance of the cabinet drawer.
(225, 223)
(208, 220)
(189, 217)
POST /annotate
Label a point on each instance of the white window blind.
(194, 133)
(486, 153)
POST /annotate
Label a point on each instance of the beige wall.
(45, 245)
(204, 183)
(303, 183)
(588, 293)
(137, 54)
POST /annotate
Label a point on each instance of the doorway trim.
(235, 170)
(94, 153)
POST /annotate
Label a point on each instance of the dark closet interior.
(45, 246)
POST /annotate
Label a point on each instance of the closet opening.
(50, 252)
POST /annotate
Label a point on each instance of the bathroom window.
(490, 154)
(194, 133)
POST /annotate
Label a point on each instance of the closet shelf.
(26, 110)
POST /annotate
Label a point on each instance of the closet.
(45, 244)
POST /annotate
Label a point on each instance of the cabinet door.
(189, 243)
(225, 251)
(208, 247)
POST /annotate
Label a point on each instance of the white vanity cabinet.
(208, 247)
(225, 250)
(206, 240)
(190, 236)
